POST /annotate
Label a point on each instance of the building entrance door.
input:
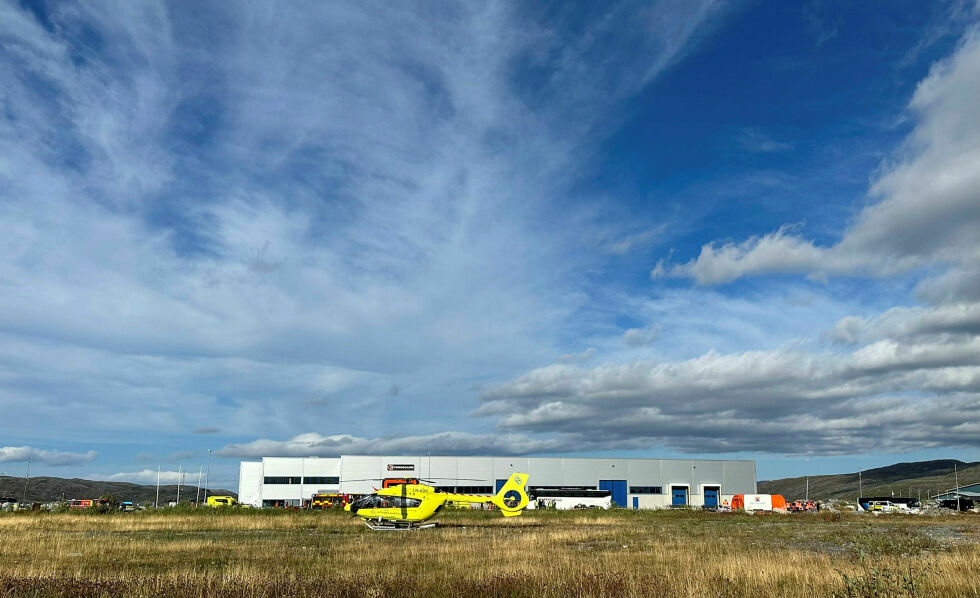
(617, 488)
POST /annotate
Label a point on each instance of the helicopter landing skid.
(393, 526)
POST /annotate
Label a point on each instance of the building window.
(281, 480)
(321, 480)
(646, 490)
(474, 489)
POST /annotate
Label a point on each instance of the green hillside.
(923, 478)
(46, 489)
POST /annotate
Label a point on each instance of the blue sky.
(660, 229)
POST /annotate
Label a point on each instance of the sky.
(661, 229)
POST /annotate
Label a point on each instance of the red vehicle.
(329, 501)
(81, 504)
(389, 482)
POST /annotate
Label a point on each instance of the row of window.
(466, 489)
(296, 480)
(646, 490)
(321, 480)
(373, 501)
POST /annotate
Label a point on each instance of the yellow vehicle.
(410, 506)
(221, 501)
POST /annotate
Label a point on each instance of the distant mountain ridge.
(920, 478)
(47, 489)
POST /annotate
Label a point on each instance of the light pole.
(27, 479)
(207, 478)
(956, 479)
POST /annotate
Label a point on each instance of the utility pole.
(180, 476)
(860, 486)
(956, 479)
(207, 478)
(27, 479)
(156, 503)
(807, 487)
(200, 474)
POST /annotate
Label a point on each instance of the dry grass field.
(240, 553)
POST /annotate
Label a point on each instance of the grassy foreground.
(616, 553)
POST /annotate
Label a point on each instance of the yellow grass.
(621, 553)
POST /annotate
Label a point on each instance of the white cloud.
(641, 337)
(13, 454)
(754, 140)
(149, 476)
(927, 201)
(446, 443)
(914, 384)
(582, 357)
(234, 227)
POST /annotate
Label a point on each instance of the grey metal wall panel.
(612, 469)
(578, 472)
(544, 472)
(676, 471)
(475, 471)
(504, 466)
(644, 472)
(707, 472)
(739, 477)
(359, 474)
(440, 469)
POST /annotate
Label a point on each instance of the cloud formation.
(14, 454)
(319, 200)
(149, 476)
(446, 443)
(925, 206)
(914, 384)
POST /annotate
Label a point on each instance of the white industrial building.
(633, 483)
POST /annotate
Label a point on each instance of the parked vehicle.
(221, 501)
(759, 502)
(569, 498)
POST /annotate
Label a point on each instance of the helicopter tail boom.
(512, 497)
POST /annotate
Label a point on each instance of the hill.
(922, 478)
(47, 489)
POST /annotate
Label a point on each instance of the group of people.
(803, 506)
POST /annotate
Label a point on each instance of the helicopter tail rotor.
(512, 497)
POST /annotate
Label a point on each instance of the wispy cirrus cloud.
(236, 214)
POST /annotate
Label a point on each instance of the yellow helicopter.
(410, 506)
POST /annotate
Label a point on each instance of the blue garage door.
(500, 484)
(678, 495)
(617, 488)
(711, 496)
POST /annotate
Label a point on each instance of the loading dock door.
(617, 488)
(678, 495)
(711, 496)
(500, 484)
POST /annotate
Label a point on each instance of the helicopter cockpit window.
(404, 502)
(373, 501)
